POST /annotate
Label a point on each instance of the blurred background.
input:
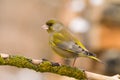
(95, 22)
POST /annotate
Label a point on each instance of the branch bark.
(94, 76)
(44, 65)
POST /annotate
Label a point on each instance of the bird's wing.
(73, 39)
(64, 40)
(70, 46)
(79, 43)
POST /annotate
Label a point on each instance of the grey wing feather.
(70, 46)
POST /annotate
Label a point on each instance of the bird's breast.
(64, 53)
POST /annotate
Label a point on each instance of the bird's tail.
(93, 56)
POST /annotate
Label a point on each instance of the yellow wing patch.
(80, 44)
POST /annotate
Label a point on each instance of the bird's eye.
(49, 24)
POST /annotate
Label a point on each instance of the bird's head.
(53, 26)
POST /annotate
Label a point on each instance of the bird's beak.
(44, 27)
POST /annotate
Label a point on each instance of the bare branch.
(94, 76)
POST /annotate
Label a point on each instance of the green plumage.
(64, 44)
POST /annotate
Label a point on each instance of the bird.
(64, 43)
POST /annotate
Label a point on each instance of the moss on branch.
(42, 66)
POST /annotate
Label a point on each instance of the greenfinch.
(64, 44)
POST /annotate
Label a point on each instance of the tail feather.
(93, 56)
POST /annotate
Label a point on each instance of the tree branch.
(94, 76)
(47, 66)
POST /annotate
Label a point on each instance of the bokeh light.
(79, 25)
